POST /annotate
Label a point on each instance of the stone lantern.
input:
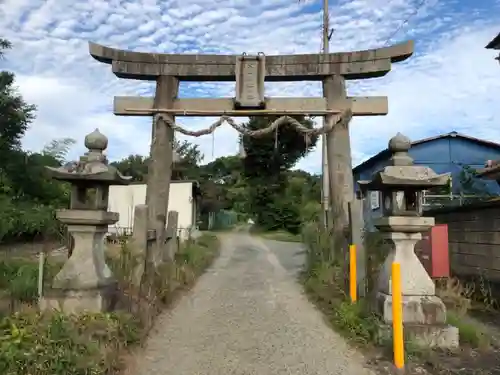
(401, 184)
(85, 282)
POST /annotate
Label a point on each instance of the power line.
(413, 14)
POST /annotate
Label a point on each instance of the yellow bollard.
(397, 317)
(353, 292)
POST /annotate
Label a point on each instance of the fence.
(119, 231)
(222, 219)
(474, 238)
(433, 201)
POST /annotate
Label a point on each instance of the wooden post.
(171, 248)
(140, 243)
(160, 167)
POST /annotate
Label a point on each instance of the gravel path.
(246, 315)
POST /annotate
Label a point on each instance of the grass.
(88, 344)
(470, 332)
(278, 235)
(353, 320)
(19, 282)
(39, 344)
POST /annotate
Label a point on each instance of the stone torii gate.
(250, 73)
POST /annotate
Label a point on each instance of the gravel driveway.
(246, 315)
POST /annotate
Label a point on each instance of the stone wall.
(474, 239)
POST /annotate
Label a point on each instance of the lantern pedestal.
(85, 282)
(424, 314)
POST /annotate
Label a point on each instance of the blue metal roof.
(385, 154)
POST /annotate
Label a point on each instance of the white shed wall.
(123, 199)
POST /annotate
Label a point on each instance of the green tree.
(190, 157)
(186, 167)
(58, 149)
(135, 166)
(222, 185)
(267, 159)
(15, 117)
(27, 195)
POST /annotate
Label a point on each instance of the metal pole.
(325, 196)
(41, 264)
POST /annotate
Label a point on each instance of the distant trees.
(27, 196)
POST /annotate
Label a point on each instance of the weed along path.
(247, 315)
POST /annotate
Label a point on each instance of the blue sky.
(450, 84)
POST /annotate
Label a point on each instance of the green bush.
(355, 321)
(23, 221)
(317, 244)
(59, 344)
(19, 277)
(199, 253)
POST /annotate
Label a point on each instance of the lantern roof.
(92, 167)
(401, 173)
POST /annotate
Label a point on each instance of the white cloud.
(451, 83)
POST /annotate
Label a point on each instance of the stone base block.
(427, 310)
(71, 301)
(424, 335)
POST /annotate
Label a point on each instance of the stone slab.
(427, 336)
(87, 218)
(416, 309)
(274, 73)
(72, 301)
(404, 224)
(250, 75)
(140, 106)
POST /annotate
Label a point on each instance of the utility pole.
(325, 189)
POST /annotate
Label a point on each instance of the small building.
(453, 152)
(184, 198)
(495, 45)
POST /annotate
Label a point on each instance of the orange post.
(397, 317)
(353, 292)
